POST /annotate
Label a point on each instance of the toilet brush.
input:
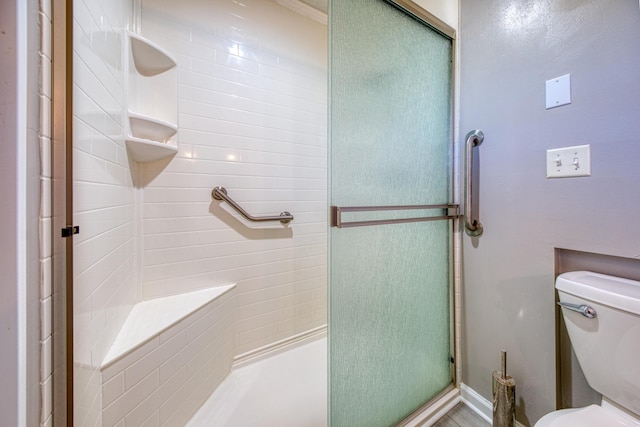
(504, 397)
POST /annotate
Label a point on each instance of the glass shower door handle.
(447, 211)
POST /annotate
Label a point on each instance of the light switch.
(569, 162)
(558, 91)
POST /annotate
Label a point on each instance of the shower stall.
(289, 108)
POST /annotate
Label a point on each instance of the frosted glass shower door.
(389, 291)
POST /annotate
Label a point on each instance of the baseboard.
(478, 404)
(279, 346)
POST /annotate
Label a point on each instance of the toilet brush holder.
(504, 397)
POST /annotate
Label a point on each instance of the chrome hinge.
(70, 230)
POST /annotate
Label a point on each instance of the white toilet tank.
(607, 345)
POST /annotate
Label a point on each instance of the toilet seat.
(592, 415)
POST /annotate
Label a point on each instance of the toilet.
(602, 314)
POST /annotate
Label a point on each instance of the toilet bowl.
(592, 415)
(602, 315)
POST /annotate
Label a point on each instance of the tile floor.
(462, 416)
(288, 391)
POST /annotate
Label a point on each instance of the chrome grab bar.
(472, 226)
(220, 193)
(585, 310)
(450, 212)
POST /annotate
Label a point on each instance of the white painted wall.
(446, 10)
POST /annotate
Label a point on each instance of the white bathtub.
(287, 388)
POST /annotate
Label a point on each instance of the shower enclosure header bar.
(220, 193)
(450, 211)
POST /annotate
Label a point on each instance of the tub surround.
(168, 358)
(233, 103)
(151, 100)
(252, 116)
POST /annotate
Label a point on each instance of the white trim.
(478, 404)
(305, 10)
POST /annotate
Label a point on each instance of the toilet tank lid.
(612, 291)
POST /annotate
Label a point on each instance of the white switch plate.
(558, 91)
(569, 162)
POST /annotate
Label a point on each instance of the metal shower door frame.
(448, 211)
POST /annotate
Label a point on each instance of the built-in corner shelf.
(150, 128)
(149, 58)
(149, 138)
(144, 150)
(152, 100)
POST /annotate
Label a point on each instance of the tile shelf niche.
(151, 92)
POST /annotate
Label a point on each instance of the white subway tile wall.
(164, 381)
(252, 117)
(104, 197)
(252, 89)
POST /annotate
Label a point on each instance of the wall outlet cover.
(558, 91)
